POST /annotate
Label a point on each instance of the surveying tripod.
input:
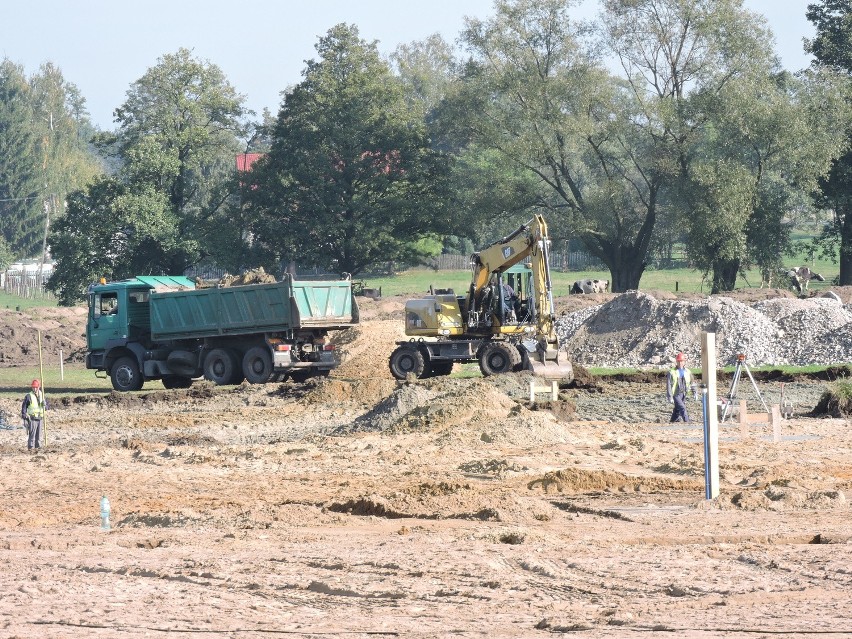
(738, 371)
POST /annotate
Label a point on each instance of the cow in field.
(590, 286)
(801, 276)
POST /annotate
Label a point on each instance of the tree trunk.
(626, 267)
(725, 275)
(845, 248)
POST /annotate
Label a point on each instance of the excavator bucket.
(551, 364)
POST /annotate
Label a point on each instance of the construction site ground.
(359, 506)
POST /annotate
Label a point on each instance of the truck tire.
(405, 361)
(125, 375)
(219, 366)
(442, 367)
(498, 357)
(257, 365)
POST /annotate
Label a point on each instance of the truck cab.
(118, 323)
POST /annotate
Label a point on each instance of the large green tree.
(21, 192)
(767, 139)
(43, 153)
(832, 50)
(609, 151)
(351, 180)
(169, 206)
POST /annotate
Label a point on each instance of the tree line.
(662, 122)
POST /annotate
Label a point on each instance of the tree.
(426, 70)
(179, 131)
(772, 137)
(43, 152)
(832, 48)
(609, 152)
(350, 181)
(110, 231)
(21, 193)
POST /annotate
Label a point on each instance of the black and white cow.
(590, 286)
(801, 276)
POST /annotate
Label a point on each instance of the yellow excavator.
(505, 322)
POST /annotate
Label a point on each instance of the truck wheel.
(257, 365)
(125, 375)
(442, 367)
(498, 357)
(176, 381)
(406, 360)
(219, 366)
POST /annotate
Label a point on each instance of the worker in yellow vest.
(678, 383)
(32, 412)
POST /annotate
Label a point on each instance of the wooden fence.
(559, 261)
(26, 284)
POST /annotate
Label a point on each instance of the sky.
(103, 46)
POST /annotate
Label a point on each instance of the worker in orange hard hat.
(32, 412)
(678, 383)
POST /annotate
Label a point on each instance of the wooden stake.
(776, 423)
(43, 401)
(743, 420)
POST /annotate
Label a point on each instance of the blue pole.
(707, 464)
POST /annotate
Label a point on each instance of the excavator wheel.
(498, 357)
(407, 360)
(442, 367)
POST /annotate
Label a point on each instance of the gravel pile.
(636, 330)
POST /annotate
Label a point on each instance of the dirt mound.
(836, 401)
(363, 350)
(257, 276)
(435, 404)
(578, 480)
(62, 329)
(355, 392)
(635, 329)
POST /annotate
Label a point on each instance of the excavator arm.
(530, 240)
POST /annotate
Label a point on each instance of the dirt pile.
(62, 329)
(439, 402)
(363, 350)
(635, 329)
(256, 276)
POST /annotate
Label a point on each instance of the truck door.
(104, 323)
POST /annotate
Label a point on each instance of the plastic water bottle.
(105, 509)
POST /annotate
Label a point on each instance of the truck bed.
(258, 308)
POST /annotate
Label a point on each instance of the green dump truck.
(149, 328)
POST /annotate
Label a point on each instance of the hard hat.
(36, 384)
(680, 357)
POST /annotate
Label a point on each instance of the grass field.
(13, 302)
(75, 380)
(417, 281)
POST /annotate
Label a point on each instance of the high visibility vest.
(35, 409)
(674, 376)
